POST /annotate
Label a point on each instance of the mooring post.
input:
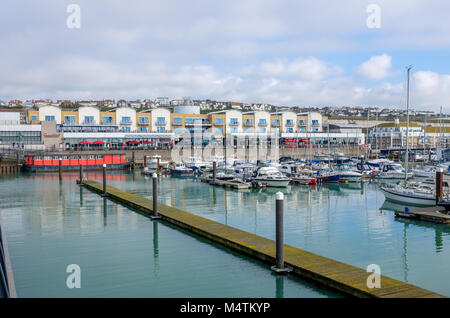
(80, 181)
(60, 168)
(214, 170)
(132, 160)
(104, 180)
(439, 185)
(145, 161)
(155, 215)
(279, 267)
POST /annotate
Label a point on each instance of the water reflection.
(279, 286)
(155, 248)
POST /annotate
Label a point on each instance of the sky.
(288, 53)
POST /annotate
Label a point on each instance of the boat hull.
(273, 183)
(407, 199)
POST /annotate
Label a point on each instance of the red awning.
(84, 142)
(305, 140)
(146, 142)
(99, 142)
(132, 142)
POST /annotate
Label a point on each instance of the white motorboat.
(347, 173)
(393, 171)
(271, 176)
(152, 165)
(426, 172)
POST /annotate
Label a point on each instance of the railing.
(302, 124)
(144, 123)
(160, 123)
(177, 123)
(315, 124)
(126, 122)
(276, 124)
(289, 124)
(218, 123)
(248, 124)
(234, 123)
(262, 124)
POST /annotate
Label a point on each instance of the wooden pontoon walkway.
(436, 214)
(332, 274)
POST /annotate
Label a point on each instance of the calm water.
(120, 252)
(350, 223)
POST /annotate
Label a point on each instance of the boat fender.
(407, 209)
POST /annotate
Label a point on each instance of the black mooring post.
(279, 267)
(104, 181)
(439, 185)
(155, 215)
(60, 168)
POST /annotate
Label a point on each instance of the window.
(218, 121)
(126, 120)
(234, 129)
(248, 129)
(218, 131)
(143, 120)
(276, 122)
(88, 119)
(177, 121)
(302, 129)
(189, 121)
(302, 122)
(178, 130)
(262, 130)
(315, 122)
(161, 129)
(324, 122)
(289, 122)
(160, 121)
(233, 121)
(69, 119)
(33, 118)
(248, 122)
(142, 129)
(49, 118)
(107, 120)
(126, 129)
(290, 130)
(262, 122)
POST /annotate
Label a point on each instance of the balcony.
(218, 123)
(262, 124)
(289, 124)
(89, 122)
(69, 122)
(302, 124)
(144, 123)
(314, 124)
(248, 124)
(276, 124)
(107, 122)
(125, 122)
(177, 123)
(234, 123)
(160, 123)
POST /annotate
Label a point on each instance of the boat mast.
(407, 125)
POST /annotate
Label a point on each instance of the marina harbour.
(52, 222)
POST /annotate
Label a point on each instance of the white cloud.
(376, 68)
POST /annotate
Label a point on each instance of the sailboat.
(411, 193)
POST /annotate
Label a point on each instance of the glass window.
(248, 129)
(126, 129)
(161, 129)
(276, 122)
(248, 121)
(49, 118)
(143, 129)
(69, 119)
(161, 120)
(189, 121)
(88, 119)
(262, 130)
(218, 121)
(289, 122)
(126, 120)
(143, 120)
(218, 131)
(233, 121)
(177, 121)
(107, 120)
(290, 130)
(33, 118)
